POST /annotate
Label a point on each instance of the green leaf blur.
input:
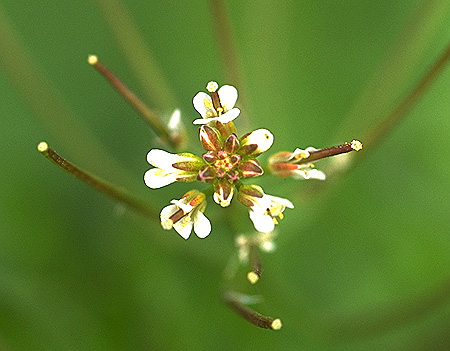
(364, 264)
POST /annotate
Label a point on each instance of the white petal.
(166, 212)
(268, 246)
(183, 227)
(263, 223)
(156, 178)
(228, 96)
(202, 225)
(281, 201)
(301, 153)
(203, 104)
(175, 121)
(183, 205)
(203, 120)
(308, 174)
(261, 137)
(229, 116)
(162, 159)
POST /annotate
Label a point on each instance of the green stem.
(149, 116)
(96, 182)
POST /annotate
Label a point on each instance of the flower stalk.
(96, 182)
(148, 115)
(234, 302)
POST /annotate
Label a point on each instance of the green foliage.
(362, 263)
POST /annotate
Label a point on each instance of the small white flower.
(185, 214)
(264, 241)
(263, 208)
(165, 173)
(217, 106)
(306, 170)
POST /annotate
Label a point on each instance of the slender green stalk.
(378, 132)
(135, 50)
(396, 70)
(149, 116)
(96, 182)
(228, 52)
(47, 104)
(384, 319)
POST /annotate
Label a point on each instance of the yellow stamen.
(274, 220)
(281, 216)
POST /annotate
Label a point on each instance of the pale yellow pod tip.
(252, 277)
(356, 145)
(42, 146)
(276, 324)
(92, 59)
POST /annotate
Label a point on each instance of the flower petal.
(184, 227)
(166, 212)
(228, 96)
(161, 159)
(202, 225)
(203, 104)
(175, 121)
(308, 174)
(157, 178)
(229, 116)
(262, 222)
(260, 137)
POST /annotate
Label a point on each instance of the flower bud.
(251, 168)
(262, 138)
(231, 144)
(223, 192)
(206, 174)
(210, 138)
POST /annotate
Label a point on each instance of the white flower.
(217, 106)
(256, 142)
(263, 208)
(264, 241)
(305, 170)
(295, 165)
(171, 168)
(185, 214)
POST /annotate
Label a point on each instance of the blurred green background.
(362, 262)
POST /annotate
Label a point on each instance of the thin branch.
(96, 182)
(135, 50)
(379, 131)
(228, 52)
(233, 301)
(149, 116)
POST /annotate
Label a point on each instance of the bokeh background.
(363, 262)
